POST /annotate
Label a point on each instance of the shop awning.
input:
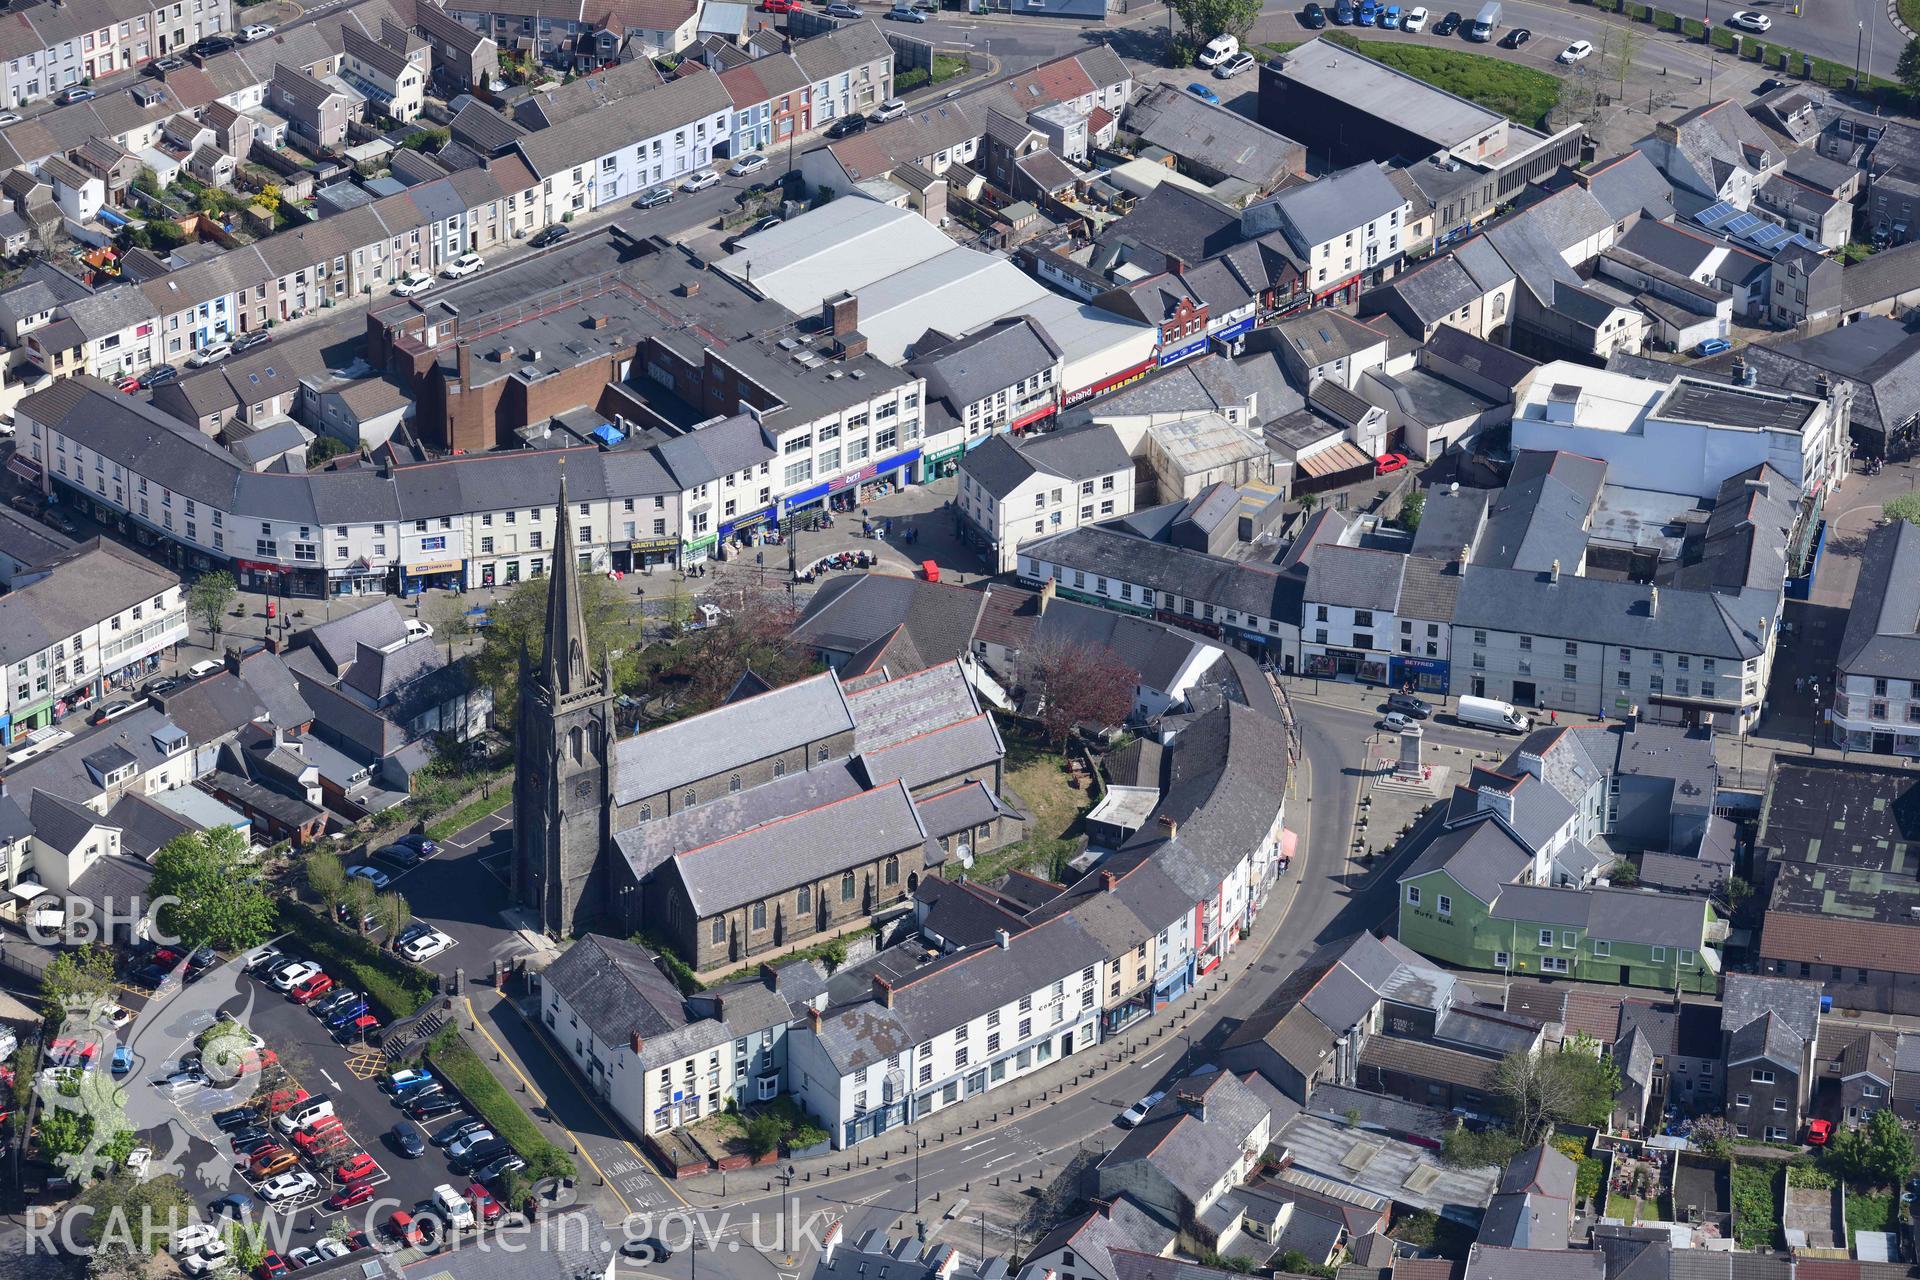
(1289, 841)
(27, 890)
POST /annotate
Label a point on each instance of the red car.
(484, 1205)
(312, 989)
(359, 1029)
(320, 1141)
(128, 386)
(1819, 1132)
(251, 1062)
(350, 1195)
(280, 1099)
(360, 1166)
(778, 6)
(1388, 463)
(272, 1267)
(403, 1228)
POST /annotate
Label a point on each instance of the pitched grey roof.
(1491, 1262)
(663, 759)
(1191, 1152)
(1882, 636)
(848, 613)
(63, 824)
(1719, 624)
(1482, 857)
(1355, 577)
(1238, 586)
(1096, 1233)
(1336, 204)
(95, 581)
(616, 989)
(986, 361)
(1748, 996)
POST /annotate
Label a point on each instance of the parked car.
(405, 1138)
(651, 1249)
(1416, 19)
(303, 1257)
(1408, 705)
(418, 843)
(1748, 20)
(746, 165)
(73, 95)
(272, 1267)
(1447, 25)
(1388, 463)
(893, 108)
(426, 948)
(122, 1060)
(212, 353)
(464, 1127)
(161, 66)
(312, 989)
(1369, 14)
(1390, 18)
(1396, 722)
(248, 341)
(1134, 1114)
(551, 236)
(234, 1119)
(480, 1156)
(440, 1104)
(350, 1195)
(334, 1001)
(1515, 38)
(110, 711)
(193, 1237)
(1313, 17)
(654, 198)
(213, 46)
(270, 1161)
(1713, 347)
(904, 15)
(287, 1186)
(700, 181)
(291, 976)
(355, 1168)
(464, 265)
(158, 376)
(485, 1206)
(459, 1147)
(398, 854)
(182, 1083)
(413, 284)
(497, 1169)
(846, 127)
(256, 31)
(1228, 68)
(779, 6)
(345, 1015)
(357, 1031)
(402, 1228)
(1203, 93)
(372, 875)
(838, 10)
(1578, 51)
(237, 1204)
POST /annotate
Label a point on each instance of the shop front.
(1357, 664)
(856, 488)
(938, 466)
(646, 553)
(434, 575)
(26, 468)
(255, 575)
(1034, 415)
(1426, 675)
(1102, 602)
(1129, 1011)
(1112, 382)
(1186, 351)
(750, 530)
(361, 578)
(1173, 985)
(698, 549)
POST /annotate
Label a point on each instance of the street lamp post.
(1859, 41)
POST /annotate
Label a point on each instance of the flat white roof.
(843, 245)
(1601, 400)
(1085, 332)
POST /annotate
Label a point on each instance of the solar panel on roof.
(1771, 237)
(1715, 214)
(1745, 223)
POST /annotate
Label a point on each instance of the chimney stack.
(1553, 574)
(1001, 936)
(813, 1020)
(1108, 881)
(1046, 595)
(1653, 602)
(1172, 827)
(1824, 385)
(883, 991)
(637, 1042)
(840, 314)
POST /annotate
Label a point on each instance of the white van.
(1218, 50)
(1491, 713)
(453, 1206)
(303, 1114)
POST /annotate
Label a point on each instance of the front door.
(1883, 744)
(1479, 686)
(1523, 693)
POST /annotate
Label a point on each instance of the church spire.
(564, 667)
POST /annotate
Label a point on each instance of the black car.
(482, 1156)
(846, 127)
(433, 1108)
(256, 1139)
(1313, 17)
(407, 1141)
(248, 341)
(1447, 25)
(152, 977)
(494, 1171)
(333, 1002)
(233, 1118)
(1408, 705)
(398, 854)
(241, 1137)
(160, 66)
(551, 236)
(161, 684)
(213, 45)
(650, 1250)
(1515, 38)
(159, 375)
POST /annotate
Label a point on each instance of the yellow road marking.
(533, 1091)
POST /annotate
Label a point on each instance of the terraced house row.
(54, 45)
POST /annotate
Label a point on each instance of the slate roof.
(1095, 1235)
(1748, 997)
(1191, 1151)
(1336, 204)
(1355, 577)
(1482, 857)
(94, 581)
(666, 758)
(1719, 624)
(616, 989)
(1216, 139)
(1882, 636)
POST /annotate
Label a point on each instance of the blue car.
(122, 1060)
(346, 1015)
(1369, 14)
(1713, 347)
(1203, 93)
(1391, 18)
(1343, 15)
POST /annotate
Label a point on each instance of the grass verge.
(397, 987)
(460, 1064)
(497, 793)
(1756, 1204)
(1519, 93)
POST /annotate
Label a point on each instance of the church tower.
(563, 753)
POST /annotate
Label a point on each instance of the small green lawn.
(1519, 93)
(1870, 1211)
(1756, 1204)
(1038, 775)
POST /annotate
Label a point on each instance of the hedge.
(397, 987)
(458, 1063)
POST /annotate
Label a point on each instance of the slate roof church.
(795, 813)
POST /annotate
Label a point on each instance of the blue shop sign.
(1181, 353)
(1233, 331)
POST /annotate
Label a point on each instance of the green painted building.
(1468, 901)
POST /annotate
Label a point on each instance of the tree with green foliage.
(1624, 873)
(1470, 1148)
(1878, 1153)
(69, 1130)
(1575, 1085)
(218, 900)
(1904, 507)
(326, 448)
(76, 977)
(451, 625)
(1907, 70)
(247, 1243)
(764, 1132)
(1411, 510)
(427, 140)
(360, 900)
(392, 914)
(327, 878)
(1205, 19)
(146, 1213)
(208, 598)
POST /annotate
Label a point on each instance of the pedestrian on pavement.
(1799, 684)
(1553, 717)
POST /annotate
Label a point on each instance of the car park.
(290, 976)
(312, 989)
(550, 236)
(1134, 1114)
(463, 266)
(426, 948)
(1578, 51)
(433, 1108)
(1447, 25)
(1203, 93)
(352, 1194)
